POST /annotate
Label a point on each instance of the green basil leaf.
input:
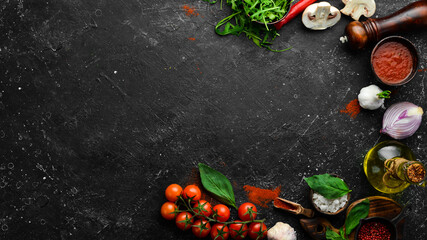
(342, 233)
(328, 186)
(360, 211)
(331, 235)
(217, 184)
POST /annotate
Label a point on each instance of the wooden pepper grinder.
(360, 34)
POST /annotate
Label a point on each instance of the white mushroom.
(357, 8)
(319, 16)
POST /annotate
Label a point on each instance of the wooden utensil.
(412, 17)
(378, 207)
(292, 207)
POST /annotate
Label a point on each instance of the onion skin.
(401, 120)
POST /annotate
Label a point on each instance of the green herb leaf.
(328, 186)
(360, 211)
(331, 235)
(342, 233)
(240, 21)
(217, 184)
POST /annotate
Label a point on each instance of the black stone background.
(105, 103)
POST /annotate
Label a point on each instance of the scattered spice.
(374, 231)
(192, 39)
(261, 197)
(353, 108)
(283, 205)
(190, 11)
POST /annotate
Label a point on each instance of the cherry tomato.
(184, 220)
(172, 192)
(203, 207)
(257, 231)
(201, 228)
(247, 211)
(238, 230)
(193, 192)
(221, 212)
(219, 232)
(168, 210)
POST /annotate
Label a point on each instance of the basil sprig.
(360, 211)
(328, 186)
(217, 184)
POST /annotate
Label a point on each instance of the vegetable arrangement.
(241, 21)
(186, 207)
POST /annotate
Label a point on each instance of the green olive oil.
(386, 167)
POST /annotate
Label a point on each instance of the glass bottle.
(390, 167)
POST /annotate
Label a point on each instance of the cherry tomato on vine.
(219, 232)
(247, 211)
(257, 231)
(168, 210)
(238, 230)
(221, 212)
(203, 207)
(201, 228)
(192, 191)
(184, 220)
(172, 192)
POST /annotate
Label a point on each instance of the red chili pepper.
(293, 12)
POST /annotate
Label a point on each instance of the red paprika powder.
(392, 62)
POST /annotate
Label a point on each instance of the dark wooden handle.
(411, 17)
(359, 34)
(316, 227)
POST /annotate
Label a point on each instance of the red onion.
(401, 120)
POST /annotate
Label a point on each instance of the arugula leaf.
(360, 211)
(240, 22)
(331, 235)
(217, 184)
(328, 186)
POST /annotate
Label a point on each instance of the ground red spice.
(392, 62)
(190, 11)
(283, 205)
(192, 39)
(353, 108)
(261, 197)
(374, 231)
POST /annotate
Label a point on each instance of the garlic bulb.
(281, 231)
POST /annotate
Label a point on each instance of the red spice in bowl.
(394, 60)
(374, 231)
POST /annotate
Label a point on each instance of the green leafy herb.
(240, 22)
(384, 94)
(266, 11)
(331, 235)
(217, 184)
(328, 186)
(358, 212)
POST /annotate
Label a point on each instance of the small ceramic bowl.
(414, 54)
(329, 213)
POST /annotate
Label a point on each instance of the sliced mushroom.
(357, 8)
(319, 16)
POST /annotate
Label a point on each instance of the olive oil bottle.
(390, 167)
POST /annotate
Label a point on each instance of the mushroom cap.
(357, 8)
(319, 16)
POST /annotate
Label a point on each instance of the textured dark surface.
(103, 104)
